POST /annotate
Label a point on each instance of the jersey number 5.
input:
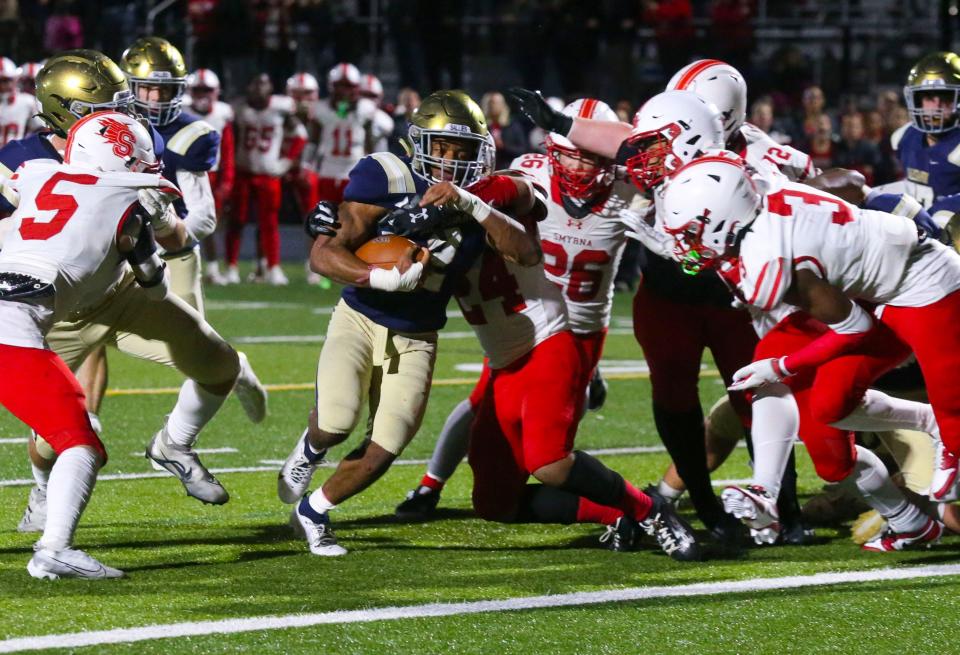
(64, 204)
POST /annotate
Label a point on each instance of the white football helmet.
(579, 174)
(112, 142)
(302, 84)
(27, 76)
(343, 73)
(706, 206)
(203, 78)
(669, 130)
(371, 87)
(717, 82)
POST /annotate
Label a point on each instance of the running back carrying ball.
(386, 251)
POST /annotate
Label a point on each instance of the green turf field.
(188, 563)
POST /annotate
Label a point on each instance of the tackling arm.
(201, 218)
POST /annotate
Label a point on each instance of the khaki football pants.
(362, 360)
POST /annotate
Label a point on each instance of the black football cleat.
(420, 504)
(596, 391)
(622, 536)
(673, 534)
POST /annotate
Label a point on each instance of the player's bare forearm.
(176, 240)
(333, 257)
(512, 240)
(843, 183)
(819, 298)
(600, 137)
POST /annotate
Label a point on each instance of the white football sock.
(194, 409)
(776, 422)
(880, 493)
(453, 442)
(40, 476)
(667, 491)
(319, 503)
(880, 412)
(95, 423)
(69, 489)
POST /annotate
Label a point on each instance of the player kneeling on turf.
(77, 224)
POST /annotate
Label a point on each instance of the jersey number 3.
(63, 203)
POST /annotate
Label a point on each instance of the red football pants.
(830, 392)
(38, 388)
(262, 193)
(933, 332)
(527, 418)
(331, 189)
(673, 337)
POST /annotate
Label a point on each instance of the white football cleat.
(184, 463)
(68, 563)
(275, 277)
(250, 393)
(756, 508)
(232, 275)
(891, 540)
(35, 514)
(944, 487)
(213, 276)
(296, 473)
(320, 535)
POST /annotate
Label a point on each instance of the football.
(385, 251)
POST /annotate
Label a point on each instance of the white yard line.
(13, 440)
(430, 610)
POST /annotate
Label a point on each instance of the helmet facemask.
(170, 90)
(593, 176)
(691, 251)
(934, 120)
(436, 168)
(655, 158)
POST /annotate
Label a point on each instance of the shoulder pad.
(898, 135)
(197, 144)
(378, 176)
(284, 104)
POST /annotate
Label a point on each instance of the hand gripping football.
(385, 251)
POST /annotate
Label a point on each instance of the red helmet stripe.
(695, 70)
(587, 108)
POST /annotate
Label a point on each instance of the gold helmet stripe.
(186, 136)
(399, 178)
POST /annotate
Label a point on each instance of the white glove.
(759, 373)
(471, 204)
(394, 280)
(658, 242)
(159, 208)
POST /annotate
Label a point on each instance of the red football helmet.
(580, 174)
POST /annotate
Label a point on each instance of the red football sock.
(591, 512)
(636, 503)
(432, 483)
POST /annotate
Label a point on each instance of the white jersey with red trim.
(64, 233)
(581, 255)
(512, 308)
(15, 114)
(221, 114)
(765, 154)
(870, 255)
(382, 130)
(259, 135)
(343, 137)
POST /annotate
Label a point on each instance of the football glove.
(533, 105)
(759, 373)
(322, 220)
(412, 219)
(158, 207)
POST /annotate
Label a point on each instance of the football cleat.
(728, 535)
(596, 391)
(944, 487)
(756, 508)
(232, 276)
(250, 393)
(296, 473)
(68, 563)
(622, 536)
(275, 277)
(868, 526)
(672, 533)
(319, 535)
(182, 462)
(419, 505)
(35, 514)
(890, 540)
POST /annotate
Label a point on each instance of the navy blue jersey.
(37, 146)
(932, 171)
(191, 145)
(385, 180)
(891, 204)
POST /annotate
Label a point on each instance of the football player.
(16, 108)
(203, 87)
(372, 88)
(798, 257)
(53, 267)
(72, 85)
(381, 342)
(269, 140)
(582, 238)
(27, 83)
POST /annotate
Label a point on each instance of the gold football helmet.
(154, 66)
(75, 83)
(936, 76)
(444, 118)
